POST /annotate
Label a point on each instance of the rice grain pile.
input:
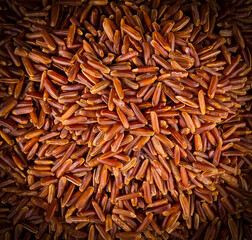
(125, 119)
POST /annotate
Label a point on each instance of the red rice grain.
(125, 119)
